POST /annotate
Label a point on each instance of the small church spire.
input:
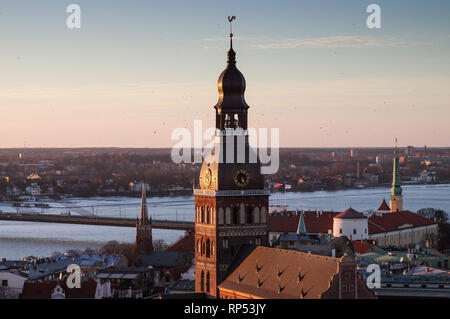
(144, 239)
(301, 228)
(396, 188)
(143, 216)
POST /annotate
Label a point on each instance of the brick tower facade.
(231, 203)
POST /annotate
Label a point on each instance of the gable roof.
(384, 206)
(392, 221)
(278, 274)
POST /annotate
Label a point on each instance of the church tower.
(144, 243)
(396, 189)
(231, 204)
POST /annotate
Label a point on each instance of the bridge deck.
(95, 220)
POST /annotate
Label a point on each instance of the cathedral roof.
(278, 272)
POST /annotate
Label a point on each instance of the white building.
(352, 224)
(11, 285)
(33, 189)
(424, 177)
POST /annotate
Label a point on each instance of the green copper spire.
(396, 188)
(301, 229)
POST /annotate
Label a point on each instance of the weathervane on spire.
(230, 19)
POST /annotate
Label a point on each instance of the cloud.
(355, 41)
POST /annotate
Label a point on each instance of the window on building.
(258, 241)
(202, 281)
(235, 216)
(207, 282)
(340, 231)
(202, 218)
(4, 283)
(249, 215)
(208, 216)
(354, 231)
(225, 243)
(208, 248)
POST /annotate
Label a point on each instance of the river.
(20, 239)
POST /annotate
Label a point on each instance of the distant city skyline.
(137, 70)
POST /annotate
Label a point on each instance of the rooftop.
(286, 274)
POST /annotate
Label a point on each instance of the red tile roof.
(322, 222)
(361, 247)
(43, 290)
(278, 272)
(315, 222)
(350, 213)
(392, 221)
(185, 244)
(384, 206)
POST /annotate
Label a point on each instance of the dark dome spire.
(231, 83)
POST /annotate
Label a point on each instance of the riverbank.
(189, 192)
(18, 239)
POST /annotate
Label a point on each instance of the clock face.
(241, 177)
(208, 178)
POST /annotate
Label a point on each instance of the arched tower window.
(199, 247)
(225, 243)
(202, 218)
(249, 215)
(208, 216)
(207, 281)
(208, 248)
(202, 281)
(235, 219)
